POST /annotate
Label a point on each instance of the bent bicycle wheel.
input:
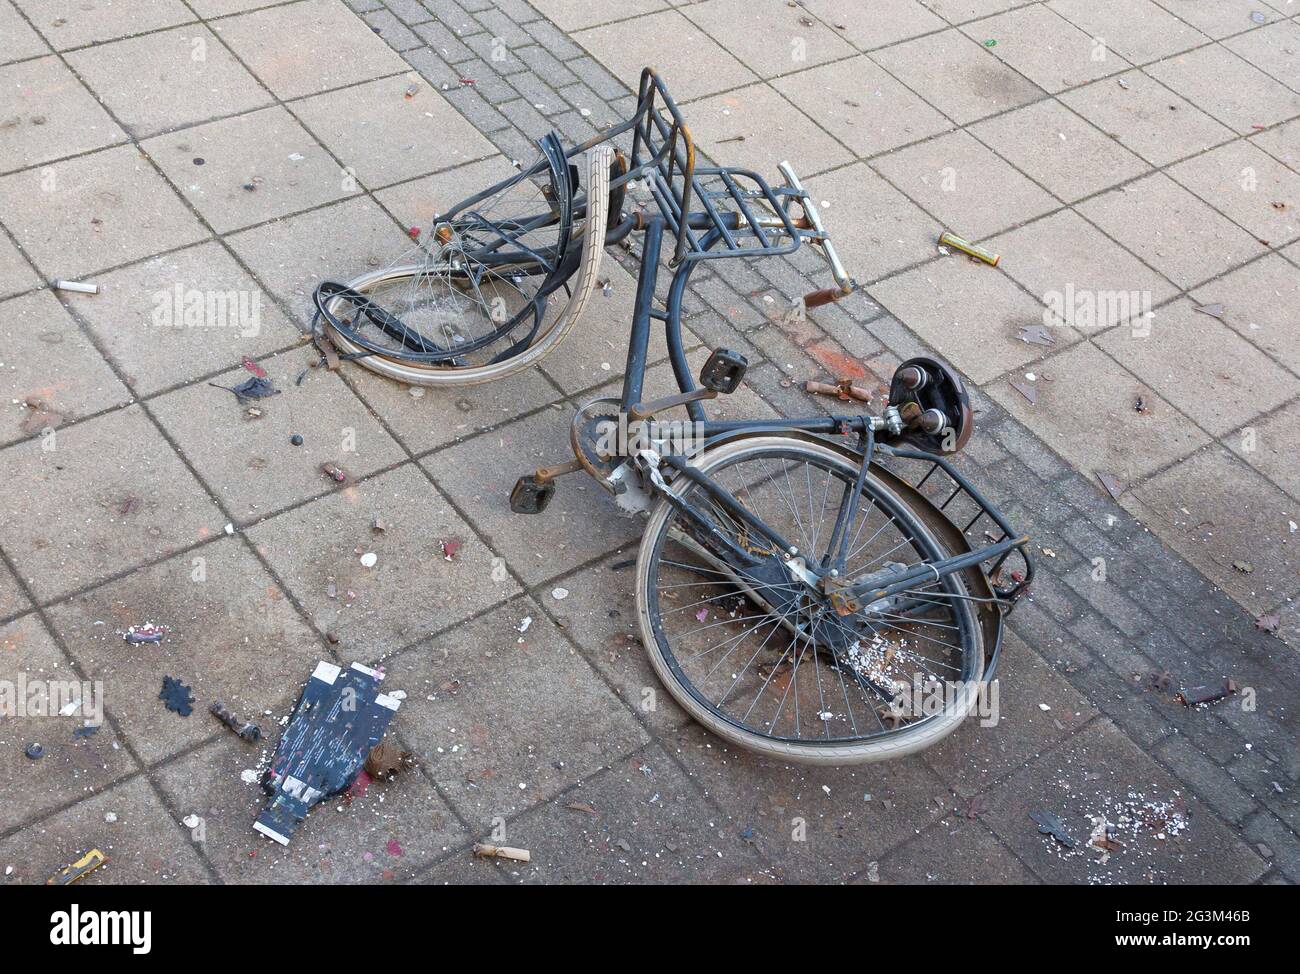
(772, 666)
(472, 301)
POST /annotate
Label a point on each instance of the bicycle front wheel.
(774, 668)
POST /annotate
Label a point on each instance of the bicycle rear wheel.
(471, 303)
(789, 677)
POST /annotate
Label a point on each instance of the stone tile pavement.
(1135, 162)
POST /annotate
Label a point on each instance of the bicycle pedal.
(530, 497)
(723, 371)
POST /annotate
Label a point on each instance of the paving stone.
(445, 41)
(302, 48)
(1255, 299)
(600, 615)
(95, 211)
(571, 15)
(221, 611)
(341, 840)
(969, 190)
(504, 59)
(645, 828)
(581, 522)
(890, 21)
(1264, 829)
(974, 756)
(397, 34)
(813, 824)
(16, 275)
(21, 42)
(1108, 598)
(1171, 229)
(1272, 49)
(770, 39)
(34, 89)
(50, 362)
(1215, 511)
(463, 868)
(1245, 183)
(1208, 780)
(1219, 19)
(76, 23)
(1086, 279)
(92, 509)
(255, 167)
(1093, 422)
(72, 767)
(12, 599)
(1090, 775)
(222, 8)
(957, 75)
(1059, 150)
(142, 846)
(694, 63)
(442, 416)
(960, 11)
(249, 464)
(1252, 99)
(158, 340)
(1268, 446)
(737, 129)
(1046, 48)
(1215, 377)
(599, 79)
(412, 591)
(492, 751)
(191, 77)
(1146, 117)
(1282, 142)
(290, 272)
(503, 25)
(546, 66)
(1135, 29)
(953, 852)
(862, 105)
(970, 314)
(385, 136)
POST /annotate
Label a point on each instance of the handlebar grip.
(822, 297)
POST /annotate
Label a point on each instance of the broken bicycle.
(823, 589)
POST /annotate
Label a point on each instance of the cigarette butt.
(78, 286)
(966, 247)
(502, 852)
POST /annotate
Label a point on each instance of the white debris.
(524, 623)
(110, 817)
(559, 593)
(369, 559)
(248, 776)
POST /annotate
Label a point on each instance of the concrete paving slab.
(95, 212)
(1094, 422)
(1202, 368)
(56, 369)
(250, 464)
(343, 840)
(94, 509)
(957, 75)
(769, 39)
(34, 131)
(249, 169)
(1268, 446)
(969, 190)
(76, 23)
(1046, 48)
(527, 719)
(72, 767)
(303, 48)
(890, 21)
(384, 133)
(1255, 300)
(158, 339)
(22, 42)
(1059, 150)
(190, 77)
(1137, 30)
(143, 843)
(1252, 99)
(1172, 230)
(867, 109)
(1249, 186)
(411, 591)
(231, 635)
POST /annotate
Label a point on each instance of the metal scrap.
(1195, 696)
(843, 389)
(247, 730)
(88, 863)
(1050, 824)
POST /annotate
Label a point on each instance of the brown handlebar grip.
(819, 298)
